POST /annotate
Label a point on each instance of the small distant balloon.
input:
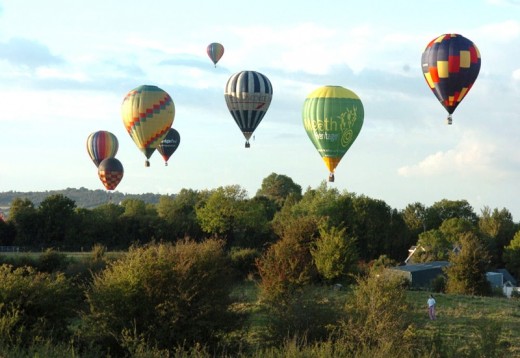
(450, 65)
(110, 172)
(101, 145)
(148, 113)
(332, 117)
(215, 52)
(169, 144)
(248, 95)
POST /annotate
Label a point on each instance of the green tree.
(227, 213)
(7, 233)
(163, 295)
(26, 221)
(180, 214)
(454, 228)
(323, 204)
(512, 255)
(466, 273)
(498, 228)
(414, 215)
(379, 229)
(447, 209)
(432, 245)
(139, 222)
(58, 221)
(278, 187)
(334, 254)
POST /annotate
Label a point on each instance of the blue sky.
(65, 67)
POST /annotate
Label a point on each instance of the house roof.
(507, 276)
(422, 266)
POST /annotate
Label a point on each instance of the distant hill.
(84, 198)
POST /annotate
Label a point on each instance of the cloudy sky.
(65, 67)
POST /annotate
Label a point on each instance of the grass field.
(464, 321)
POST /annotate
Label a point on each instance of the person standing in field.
(431, 307)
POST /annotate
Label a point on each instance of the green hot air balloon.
(332, 118)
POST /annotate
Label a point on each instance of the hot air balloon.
(215, 52)
(110, 172)
(169, 144)
(450, 65)
(248, 95)
(148, 114)
(101, 145)
(332, 117)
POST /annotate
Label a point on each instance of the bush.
(52, 261)
(377, 313)
(243, 261)
(164, 294)
(35, 305)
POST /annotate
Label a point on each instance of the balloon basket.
(147, 164)
(331, 178)
(449, 120)
(248, 145)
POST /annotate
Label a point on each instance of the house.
(502, 279)
(420, 275)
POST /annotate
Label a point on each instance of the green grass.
(469, 318)
(462, 321)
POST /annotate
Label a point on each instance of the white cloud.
(516, 74)
(472, 156)
(500, 32)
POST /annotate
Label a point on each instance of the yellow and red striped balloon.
(148, 113)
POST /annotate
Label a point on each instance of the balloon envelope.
(101, 145)
(215, 52)
(148, 114)
(169, 144)
(450, 65)
(248, 95)
(332, 117)
(110, 172)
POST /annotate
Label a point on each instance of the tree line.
(279, 208)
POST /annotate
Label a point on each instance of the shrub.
(52, 261)
(377, 313)
(243, 261)
(165, 294)
(35, 305)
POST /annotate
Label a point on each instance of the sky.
(65, 67)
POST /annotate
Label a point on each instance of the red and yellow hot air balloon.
(450, 65)
(101, 145)
(110, 172)
(215, 52)
(148, 113)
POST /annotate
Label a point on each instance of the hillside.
(84, 198)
